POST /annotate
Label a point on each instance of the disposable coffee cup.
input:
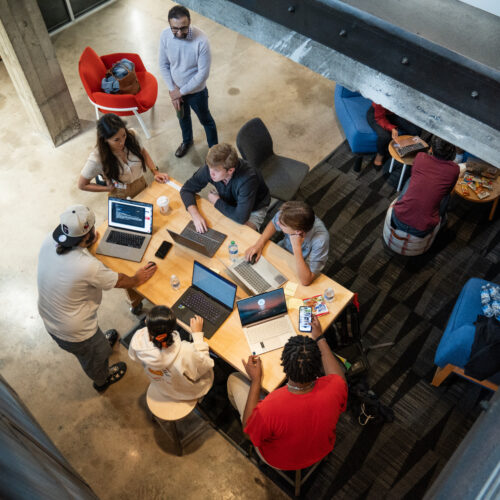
(162, 203)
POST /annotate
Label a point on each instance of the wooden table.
(229, 341)
(407, 160)
(467, 194)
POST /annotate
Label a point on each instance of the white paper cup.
(162, 203)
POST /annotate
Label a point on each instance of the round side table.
(467, 194)
(407, 160)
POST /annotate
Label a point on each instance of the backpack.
(121, 79)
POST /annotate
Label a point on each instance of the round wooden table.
(407, 160)
(463, 191)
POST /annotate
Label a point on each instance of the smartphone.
(305, 317)
(163, 250)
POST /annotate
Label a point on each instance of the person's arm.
(245, 202)
(141, 276)
(164, 62)
(306, 277)
(253, 367)
(200, 361)
(86, 185)
(257, 248)
(188, 195)
(159, 177)
(380, 115)
(330, 364)
(201, 76)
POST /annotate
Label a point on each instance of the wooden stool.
(167, 412)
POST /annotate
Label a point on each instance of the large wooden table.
(229, 341)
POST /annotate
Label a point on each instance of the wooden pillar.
(31, 61)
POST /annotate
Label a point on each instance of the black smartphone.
(163, 250)
(305, 317)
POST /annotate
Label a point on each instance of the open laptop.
(265, 321)
(206, 243)
(259, 277)
(130, 225)
(210, 296)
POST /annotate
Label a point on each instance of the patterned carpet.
(407, 301)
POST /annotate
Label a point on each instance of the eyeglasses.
(183, 29)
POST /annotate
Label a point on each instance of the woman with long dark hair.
(121, 160)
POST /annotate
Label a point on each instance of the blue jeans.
(199, 103)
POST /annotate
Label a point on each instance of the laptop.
(210, 296)
(130, 225)
(205, 243)
(259, 277)
(265, 321)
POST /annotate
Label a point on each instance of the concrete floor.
(108, 438)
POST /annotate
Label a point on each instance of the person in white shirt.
(70, 285)
(181, 370)
(184, 60)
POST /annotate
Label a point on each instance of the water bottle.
(485, 295)
(175, 282)
(233, 251)
(329, 294)
(488, 310)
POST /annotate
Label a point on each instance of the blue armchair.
(454, 348)
(351, 108)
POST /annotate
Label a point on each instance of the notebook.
(210, 295)
(205, 243)
(265, 321)
(130, 225)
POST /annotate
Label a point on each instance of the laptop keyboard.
(411, 148)
(125, 239)
(247, 272)
(202, 305)
(268, 330)
(210, 244)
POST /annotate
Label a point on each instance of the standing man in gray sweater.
(185, 65)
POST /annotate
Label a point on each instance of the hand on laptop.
(253, 367)
(200, 223)
(144, 273)
(196, 324)
(253, 253)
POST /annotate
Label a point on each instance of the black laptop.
(210, 296)
(206, 243)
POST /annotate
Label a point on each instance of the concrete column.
(31, 61)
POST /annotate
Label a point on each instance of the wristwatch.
(322, 336)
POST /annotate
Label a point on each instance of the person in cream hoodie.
(180, 369)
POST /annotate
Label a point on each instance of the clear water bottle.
(329, 294)
(485, 295)
(488, 310)
(175, 282)
(233, 251)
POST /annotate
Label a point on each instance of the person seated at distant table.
(388, 126)
(181, 370)
(120, 159)
(240, 191)
(425, 197)
(305, 236)
(293, 427)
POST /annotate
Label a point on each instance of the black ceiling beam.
(466, 85)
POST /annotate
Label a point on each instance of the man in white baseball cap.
(70, 285)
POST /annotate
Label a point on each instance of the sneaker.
(116, 372)
(111, 336)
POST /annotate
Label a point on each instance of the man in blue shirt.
(184, 61)
(304, 235)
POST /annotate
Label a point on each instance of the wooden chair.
(168, 412)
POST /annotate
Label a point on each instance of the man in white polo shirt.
(70, 285)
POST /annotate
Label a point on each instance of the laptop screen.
(263, 306)
(214, 285)
(130, 215)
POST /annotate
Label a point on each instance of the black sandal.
(111, 336)
(116, 372)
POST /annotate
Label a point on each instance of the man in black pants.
(387, 126)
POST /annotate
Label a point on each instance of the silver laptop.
(259, 277)
(206, 243)
(130, 225)
(265, 321)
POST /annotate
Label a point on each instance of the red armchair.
(92, 69)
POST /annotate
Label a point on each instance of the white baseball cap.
(76, 222)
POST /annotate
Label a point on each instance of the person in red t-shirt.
(293, 427)
(387, 126)
(424, 199)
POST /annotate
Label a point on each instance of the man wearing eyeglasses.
(185, 65)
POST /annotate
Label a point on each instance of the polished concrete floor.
(108, 438)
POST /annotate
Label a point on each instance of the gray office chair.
(283, 176)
